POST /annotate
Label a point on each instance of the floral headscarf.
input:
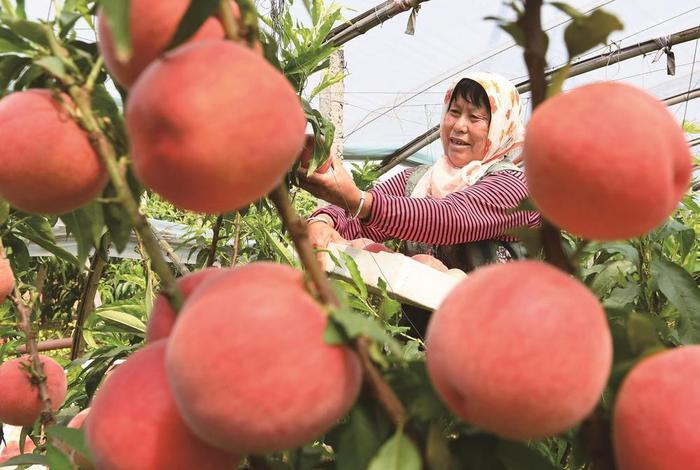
(506, 135)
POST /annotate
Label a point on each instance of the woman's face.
(464, 132)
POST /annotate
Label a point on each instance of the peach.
(7, 279)
(431, 261)
(48, 164)
(377, 247)
(134, 422)
(606, 161)
(152, 25)
(162, 318)
(270, 382)
(19, 397)
(213, 127)
(360, 243)
(77, 422)
(657, 411)
(12, 450)
(520, 350)
(306, 154)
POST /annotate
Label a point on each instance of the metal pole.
(577, 68)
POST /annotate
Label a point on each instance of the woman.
(460, 208)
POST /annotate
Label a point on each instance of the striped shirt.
(479, 212)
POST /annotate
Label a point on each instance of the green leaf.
(398, 453)
(122, 319)
(117, 15)
(358, 440)
(4, 211)
(74, 438)
(117, 221)
(557, 81)
(10, 42)
(641, 334)
(35, 32)
(586, 32)
(437, 449)
(86, 224)
(355, 324)
(351, 266)
(57, 460)
(612, 275)
(622, 297)
(680, 289)
(49, 246)
(195, 16)
(518, 456)
(11, 67)
(53, 65)
(25, 459)
(568, 9)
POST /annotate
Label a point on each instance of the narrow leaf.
(117, 15)
(195, 16)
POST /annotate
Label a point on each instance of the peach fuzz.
(606, 161)
(162, 318)
(19, 397)
(48, 165)
(657, 411)
(270, 382)
(134, 422)
(213, 126)
(7, 279)
(520, 350)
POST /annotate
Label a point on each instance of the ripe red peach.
(657, 411)
(162, 318)
(213, 126)
(431, 261)
(606, 161)
(520, 350)
(12, 449)
(48, 165)
(19, 397)
(270, 382)
(377, 247)
(134, 422)
(7, 279)
(152, 25)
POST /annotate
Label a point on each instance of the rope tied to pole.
(406, 5)
(664, 43)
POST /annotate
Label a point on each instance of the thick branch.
(214, 240)
(298, 232)
(535, 61)
(48, 345)
(103, 147)
(38, 376)
(87, 301)
(384, 394)
(24, 324)
(236, 239)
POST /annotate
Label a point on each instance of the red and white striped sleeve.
(479, 212)
(352, 228)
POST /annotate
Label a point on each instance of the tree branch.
(87, 301)
(535, 41)
(103, 147)
(214, 240)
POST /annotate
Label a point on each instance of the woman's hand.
(335, 186)
(321, 234)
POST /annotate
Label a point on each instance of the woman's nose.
(462, 125)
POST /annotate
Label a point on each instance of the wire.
(424, 89)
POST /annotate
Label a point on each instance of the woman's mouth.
(458, 142)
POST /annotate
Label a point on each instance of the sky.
(395, 82)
